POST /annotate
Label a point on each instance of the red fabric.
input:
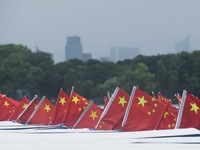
(190, 115)
(145, 112)
(116, 112)
(62, 106)
(22, 106)
(28, 111)
(91, 117)
(7, 107)
(77, 105)
(44, 114)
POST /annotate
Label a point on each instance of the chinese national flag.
(77, 106)
(90, 117)
(114, 111)
(190, 108)
(62, 105)
(169, 118)
(22, 106)
(7, 107)
(143, 113)
(24, 116)
(44, 113)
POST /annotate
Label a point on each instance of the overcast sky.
(153, 26)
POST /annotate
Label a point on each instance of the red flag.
(77, 106)
(89, 117)
(7, 107)
(44, 113)
(24, 116)
(112, 115)
(22, 106)
(169, 118)
(62, 105)
(189, 112)
(143, 112)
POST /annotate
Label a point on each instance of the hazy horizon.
(152, 26)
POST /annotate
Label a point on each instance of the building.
(74, 49)
(122, 53)
(183, 45)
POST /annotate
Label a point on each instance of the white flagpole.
(33, 113)
(180, 112)
(128, 107)
(107, 106)
(83, 114)
(26, 108)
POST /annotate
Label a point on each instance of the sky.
(153, 26)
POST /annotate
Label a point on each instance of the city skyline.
(152, 26)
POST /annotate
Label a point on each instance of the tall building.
(117, 54)
(183, 45)
(74, 49)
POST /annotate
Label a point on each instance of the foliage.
(23, 72)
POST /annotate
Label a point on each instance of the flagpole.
(83, 114)
(128, 107)
(26, 108)
(180, 112)
(38, 106)
(107, 106)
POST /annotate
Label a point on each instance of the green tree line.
(23, 72)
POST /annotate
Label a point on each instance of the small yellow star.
(122, 101)
(35, 106)
(62, 100)
(75, 99)
(25, 106)
(6, 103)
(93, 114)
(47, 108)
(194, 107)
(142, 101)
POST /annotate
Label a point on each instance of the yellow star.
(75, 99)
(122, 101)
(165, 114)
(62, 100)
(25, 106)
(47, 108)
(35, 106)
(142, 101)
(6, 103)
(93, 115)
(194, 107)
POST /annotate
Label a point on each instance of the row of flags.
(138, 111)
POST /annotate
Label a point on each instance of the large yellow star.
(6, 103)
(194, 107)
(47, 108)
(93, 114)
(122, 101)
(25, 106)
(165, 114)
(142, 101)
(75, 99)
(62, 100)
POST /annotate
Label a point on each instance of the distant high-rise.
(122, 53)
(73, 48)
(183, 45)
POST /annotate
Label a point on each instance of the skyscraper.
(73, 48)
(183, 45)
